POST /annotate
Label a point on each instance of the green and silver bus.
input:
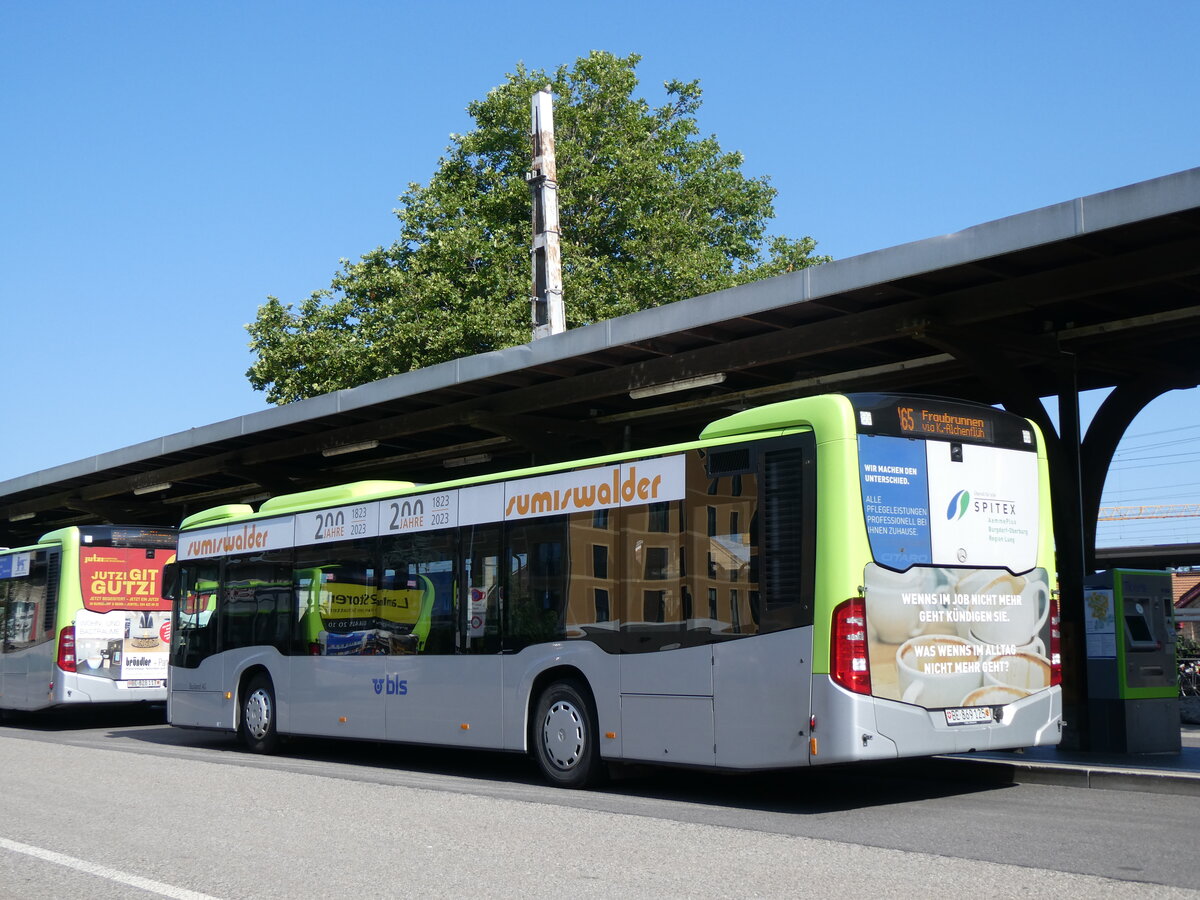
(83, 619)
(827, 579)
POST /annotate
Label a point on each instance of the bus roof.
(786, 416)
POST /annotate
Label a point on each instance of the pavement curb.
(1153, 781)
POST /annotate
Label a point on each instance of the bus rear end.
(114, 626)
(940, 612)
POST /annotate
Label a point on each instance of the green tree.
(651, 212)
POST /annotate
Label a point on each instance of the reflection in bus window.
(536, 594)
(27, 604)
(341, 609)
(194, 632)
(731, 501)
(256, 600)
(481, 569)
(418, 576)
(592, 575)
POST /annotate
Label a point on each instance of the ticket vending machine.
(1133, 679)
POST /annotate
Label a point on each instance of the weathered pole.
(548, 315)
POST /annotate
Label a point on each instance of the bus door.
(444, 685)
(345, 632)
(197, 672)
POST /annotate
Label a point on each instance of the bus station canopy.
(1097, 292)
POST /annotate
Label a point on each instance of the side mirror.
(170, 582)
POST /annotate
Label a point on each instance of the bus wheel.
(564, 736)
(256, 727)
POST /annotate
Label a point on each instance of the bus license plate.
(141, 683)
(969, 715)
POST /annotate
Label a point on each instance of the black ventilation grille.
(788, 604)
(729, 462)
(52, 570)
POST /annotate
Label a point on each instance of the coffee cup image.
(1028, 671)
(1011, 617)
(989, 581)
(937, 670)
(895, 601)
(891, 621)
(1036, 646)
(994, 695)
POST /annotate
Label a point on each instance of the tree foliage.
(651, 212)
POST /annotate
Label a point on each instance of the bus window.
(256, 599)
(194, 630)
(650, 594)
(481, 572)
(723, 534)
(26, 610)
(341, 609)
(592, 576)
(535, 595)
(419, 568)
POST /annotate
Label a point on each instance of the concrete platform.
(1168, 773)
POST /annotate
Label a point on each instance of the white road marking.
(82, 865)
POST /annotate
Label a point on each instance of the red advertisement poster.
(122, 578)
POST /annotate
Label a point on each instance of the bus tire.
(257, 723)
(564, 736)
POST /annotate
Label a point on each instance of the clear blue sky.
(166, 166)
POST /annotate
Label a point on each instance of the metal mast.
(548, 315)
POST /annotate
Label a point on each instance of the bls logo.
(393, 684)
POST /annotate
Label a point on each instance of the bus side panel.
(28, 677)
(197, 696)
(16, 681)
(200, 709)
(660, 728)
(340, 696)
(762, 699)
(667, 706)
(684, 671)
(447, 700)
(32, 681)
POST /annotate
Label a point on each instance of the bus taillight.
(1055, 643)
(848, 648)
(66, 649)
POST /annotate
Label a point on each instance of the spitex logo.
(958, 505)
